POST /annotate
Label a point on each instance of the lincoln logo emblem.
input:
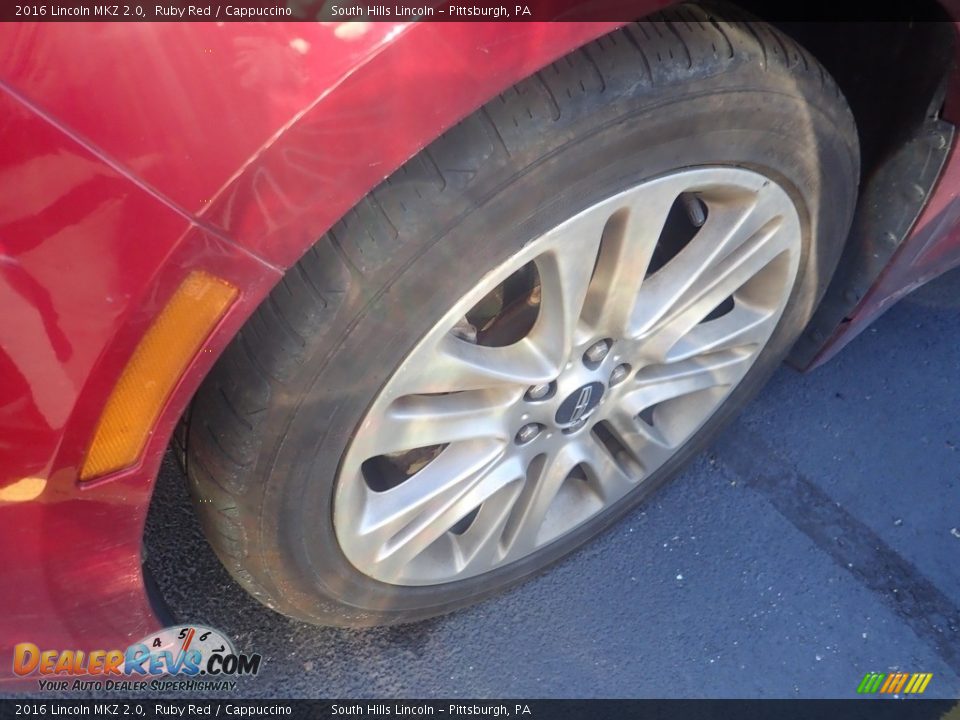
(579, 404)
(583, 402)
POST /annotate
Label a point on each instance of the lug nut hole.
(619, 374)
(541, 391)
(595, 354)
(528, 433)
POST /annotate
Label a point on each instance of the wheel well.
(892, 73)
(894, 76)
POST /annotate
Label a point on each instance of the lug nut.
(527, 433)
(596, 352)
(539, 391)
(619, 374)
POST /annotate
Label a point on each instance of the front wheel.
(521, 334)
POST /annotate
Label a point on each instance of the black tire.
(271, 422)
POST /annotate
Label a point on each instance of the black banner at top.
(421, 10)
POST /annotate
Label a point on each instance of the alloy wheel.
(567, 376)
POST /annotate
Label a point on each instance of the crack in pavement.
(849, 542)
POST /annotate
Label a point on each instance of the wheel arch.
(383, 112)
(291, 193)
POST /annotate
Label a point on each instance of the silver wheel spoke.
(647, 445)
(566, 270)
(542, 483)
(629, 240)
(459, 365)
(703, 372)
(608, 478)
(732, 247)
(564, 279)
(417, 421)
(405, 521)
(455, 472)
(742, 326)
(481, 546)
(567, 376)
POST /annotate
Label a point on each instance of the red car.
(425, 306)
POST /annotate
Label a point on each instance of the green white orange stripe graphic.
(894, 683)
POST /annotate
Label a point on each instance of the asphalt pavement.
(818, 540)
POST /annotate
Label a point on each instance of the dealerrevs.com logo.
(184, 653)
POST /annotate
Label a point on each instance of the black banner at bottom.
(875, 709)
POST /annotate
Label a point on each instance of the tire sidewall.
(781, 136)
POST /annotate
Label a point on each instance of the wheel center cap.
(579, 404)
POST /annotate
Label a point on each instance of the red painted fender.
(133, 154)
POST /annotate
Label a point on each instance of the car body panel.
(308, 117)
(240, 84)
(197, 147)
(79, 287)
(108, 205)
